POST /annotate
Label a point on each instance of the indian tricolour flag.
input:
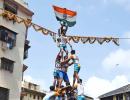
(65, 15)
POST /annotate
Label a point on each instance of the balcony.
(25, 67)
(26, 47)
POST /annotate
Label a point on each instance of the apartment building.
(13, 49)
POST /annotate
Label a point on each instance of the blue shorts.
(63, 47)
(64, 76)
(76, 68)
(80, 97)
(56, 73)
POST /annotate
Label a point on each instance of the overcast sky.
(103, 67)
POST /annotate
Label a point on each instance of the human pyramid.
(62, 62)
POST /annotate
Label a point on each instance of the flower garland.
(76, 39)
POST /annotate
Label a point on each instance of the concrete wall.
(9, 80)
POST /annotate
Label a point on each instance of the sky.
(103, 67)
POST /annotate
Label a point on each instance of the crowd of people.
(63, 61)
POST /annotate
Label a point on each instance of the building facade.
(31, 91)
(12, 49)
(122, 93)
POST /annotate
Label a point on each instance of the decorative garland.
(76, 39)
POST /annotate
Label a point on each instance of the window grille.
(8, 37)
(7, 64)
(4, 93)
(10, 7)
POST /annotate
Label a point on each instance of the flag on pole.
(65, 15)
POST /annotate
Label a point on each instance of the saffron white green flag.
(65, 15)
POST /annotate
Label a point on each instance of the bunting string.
(76, 39)
(92, 40)
(84, 40)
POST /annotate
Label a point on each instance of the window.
(35, 87)
(38, 97)
(119, 97)
(34, 96)
(21, 98)
(7, 64)
(107, 98)
(10, 7)
(7, 37)
(25, 54)
(29, 85)
(26, 47)
(127, 96)
(4, 94)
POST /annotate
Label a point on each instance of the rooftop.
(86, 96)
(121, 90)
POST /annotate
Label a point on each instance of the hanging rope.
(76, 39)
